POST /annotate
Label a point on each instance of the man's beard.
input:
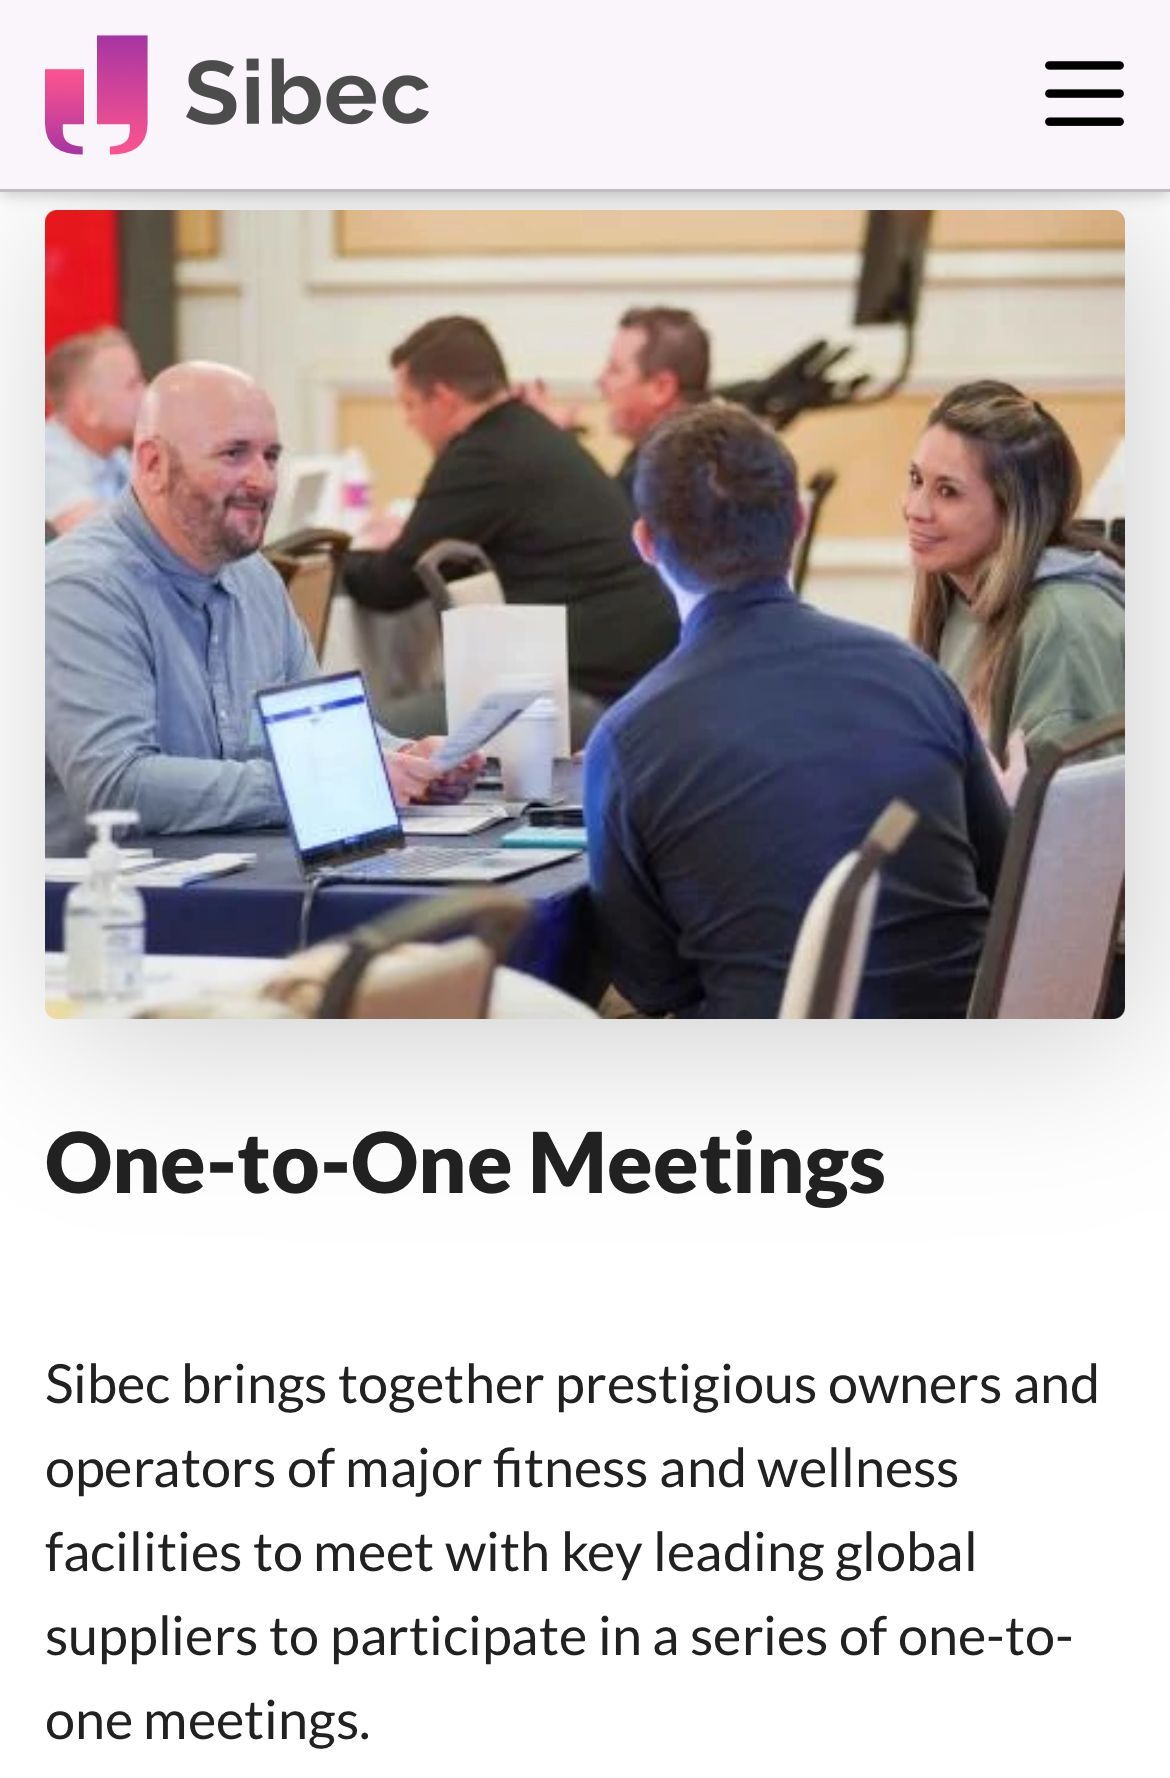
(208, 521)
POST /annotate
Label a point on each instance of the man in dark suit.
(556, 528)
(722, 790)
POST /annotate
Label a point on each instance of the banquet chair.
(309, 562)
(828, 960)
(475, 581)
(813, 498)
(1052, 935)
(401, 652)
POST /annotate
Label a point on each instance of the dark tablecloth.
(257, 912)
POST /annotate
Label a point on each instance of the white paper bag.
(486, 646)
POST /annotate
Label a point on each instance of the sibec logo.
(121, 95)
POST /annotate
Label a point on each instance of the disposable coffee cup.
(526, 749)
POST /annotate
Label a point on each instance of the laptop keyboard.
(418, 862)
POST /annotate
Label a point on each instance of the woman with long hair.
(1022, 606)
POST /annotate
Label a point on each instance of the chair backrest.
(309, 562)
(415, 981)
(1113, 529)
(828, 960)
(477, 582)
(401, 652)
(1057, 908)
(812, 503)
(424, 981)
(310, 590)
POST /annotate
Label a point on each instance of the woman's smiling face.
(952, 520)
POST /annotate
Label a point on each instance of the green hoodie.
(1068, 664)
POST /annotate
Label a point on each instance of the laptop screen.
(329, 764)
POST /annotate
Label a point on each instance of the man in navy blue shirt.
(723, 788)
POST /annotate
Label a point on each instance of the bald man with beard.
(162, 621)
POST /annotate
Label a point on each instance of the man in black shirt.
(722, 790)
(555, 526)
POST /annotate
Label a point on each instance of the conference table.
(256, 912)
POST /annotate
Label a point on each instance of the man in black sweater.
(555, 526)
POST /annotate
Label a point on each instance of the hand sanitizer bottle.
(105, 924)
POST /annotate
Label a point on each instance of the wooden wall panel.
(398, 461)
(1028, 229)
(394, 233)
(868, 447)
(197, 234)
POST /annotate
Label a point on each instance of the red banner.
(82, 285)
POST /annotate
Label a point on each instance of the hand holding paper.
(492, 713)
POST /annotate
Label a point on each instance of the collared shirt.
(721, 791)
(75, 474)
(151, 673)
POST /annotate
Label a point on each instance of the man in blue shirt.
(162, 622)
(94, 384)
(722, 789)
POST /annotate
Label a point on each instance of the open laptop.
(341, 809)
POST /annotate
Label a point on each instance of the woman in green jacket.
(1022, 606)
